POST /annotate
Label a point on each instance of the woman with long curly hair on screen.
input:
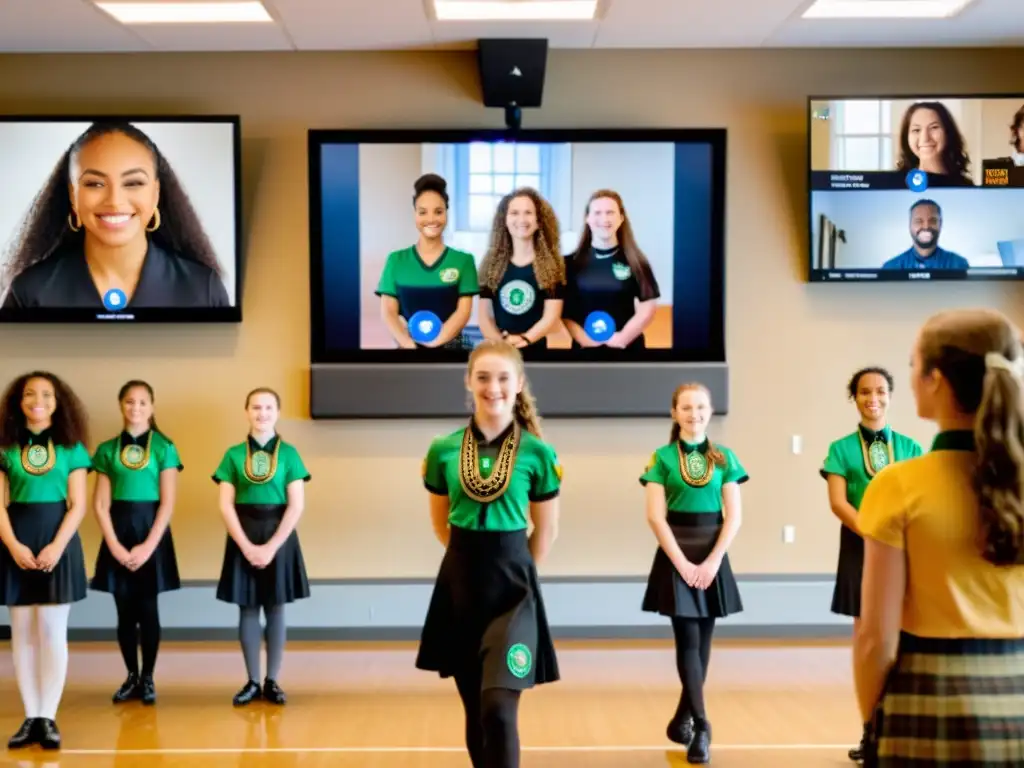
(112, 228)
(522, 277)
(44, 463)
(611, 292)
(486, 625)
(694, 509)
(939, 653)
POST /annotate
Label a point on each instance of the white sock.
(53, 657)
(24, 639)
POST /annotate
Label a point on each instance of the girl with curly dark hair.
(112, 218)
(522, 277)
(42, 567)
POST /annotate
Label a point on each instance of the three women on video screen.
(604, 293)
(112, 228)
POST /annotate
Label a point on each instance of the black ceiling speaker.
(512, 74)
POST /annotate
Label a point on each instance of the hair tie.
(994, 360)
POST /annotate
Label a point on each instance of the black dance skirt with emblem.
(950, 702)
(849, 572)
(132, 521)
(284, 579)
(667, 593)
(35, 526)
(487, 613)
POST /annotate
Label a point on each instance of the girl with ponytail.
(942, 606)
(488, 483)
(693, 507)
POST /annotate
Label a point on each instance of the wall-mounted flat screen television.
(916, 188)
(120, 219)
(598, 252)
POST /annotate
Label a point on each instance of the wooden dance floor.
(365, 706)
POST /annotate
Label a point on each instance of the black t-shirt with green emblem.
(518, 304)
(606, 283)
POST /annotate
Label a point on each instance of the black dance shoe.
(700, 747)
(857, 753)
(49, 736)
(680, 731)
(129, 689)
(249, 693)
(147, 690)
(26, 736)
(272, 692)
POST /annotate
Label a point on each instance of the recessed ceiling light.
(186, 13)
(514, 10)
(885, 9)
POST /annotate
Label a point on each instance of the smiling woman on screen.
(112, 228)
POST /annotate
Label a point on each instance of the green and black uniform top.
(490, 484)
(693, 482)
(605, 283)
(37, 470)
(518, 303)
(261, 474)
(435, 288)
(134, 464)
(862, 454)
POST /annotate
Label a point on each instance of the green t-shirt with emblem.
(536, 477)
(143, 483)
(680, 496)
(52, 485)
(288, 469)
(846, 457)
(436, 288)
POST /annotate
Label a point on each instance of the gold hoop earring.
(154, 225)
(72, 217)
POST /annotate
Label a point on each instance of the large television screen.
(120, 219)
(597, 252)
(916, 188)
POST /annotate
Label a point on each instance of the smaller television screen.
(107, 219)
(916, 188)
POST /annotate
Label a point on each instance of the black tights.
(693, 653)
(138, 623)
(492, 728)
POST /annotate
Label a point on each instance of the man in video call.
(925, 227)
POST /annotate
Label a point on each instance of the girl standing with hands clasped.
(693, 507)
(42, 567)
(262, 498)
(136, 485)
(851, 464)
(486, 625)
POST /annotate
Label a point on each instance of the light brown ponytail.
(526, 411)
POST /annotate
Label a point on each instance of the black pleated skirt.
(487, 612)
(849, 570)
(283, 581)
(35, 526)
(950, 702)
(132, 522)
(667, 594)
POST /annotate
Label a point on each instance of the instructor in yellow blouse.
(939, 655)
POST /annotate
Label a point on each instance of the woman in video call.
(939, 655)
(486, 625)
(693, 506)
(136, 485)
(609, 273)
(930, 140)
(850, 465)
(429, 277)
(42, 566)
(112, 215)
(262, 498)
(522, 277)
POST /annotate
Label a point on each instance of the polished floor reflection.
(365, 706)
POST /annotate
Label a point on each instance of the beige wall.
(791, 345)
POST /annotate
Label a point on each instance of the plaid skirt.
(950, 703)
